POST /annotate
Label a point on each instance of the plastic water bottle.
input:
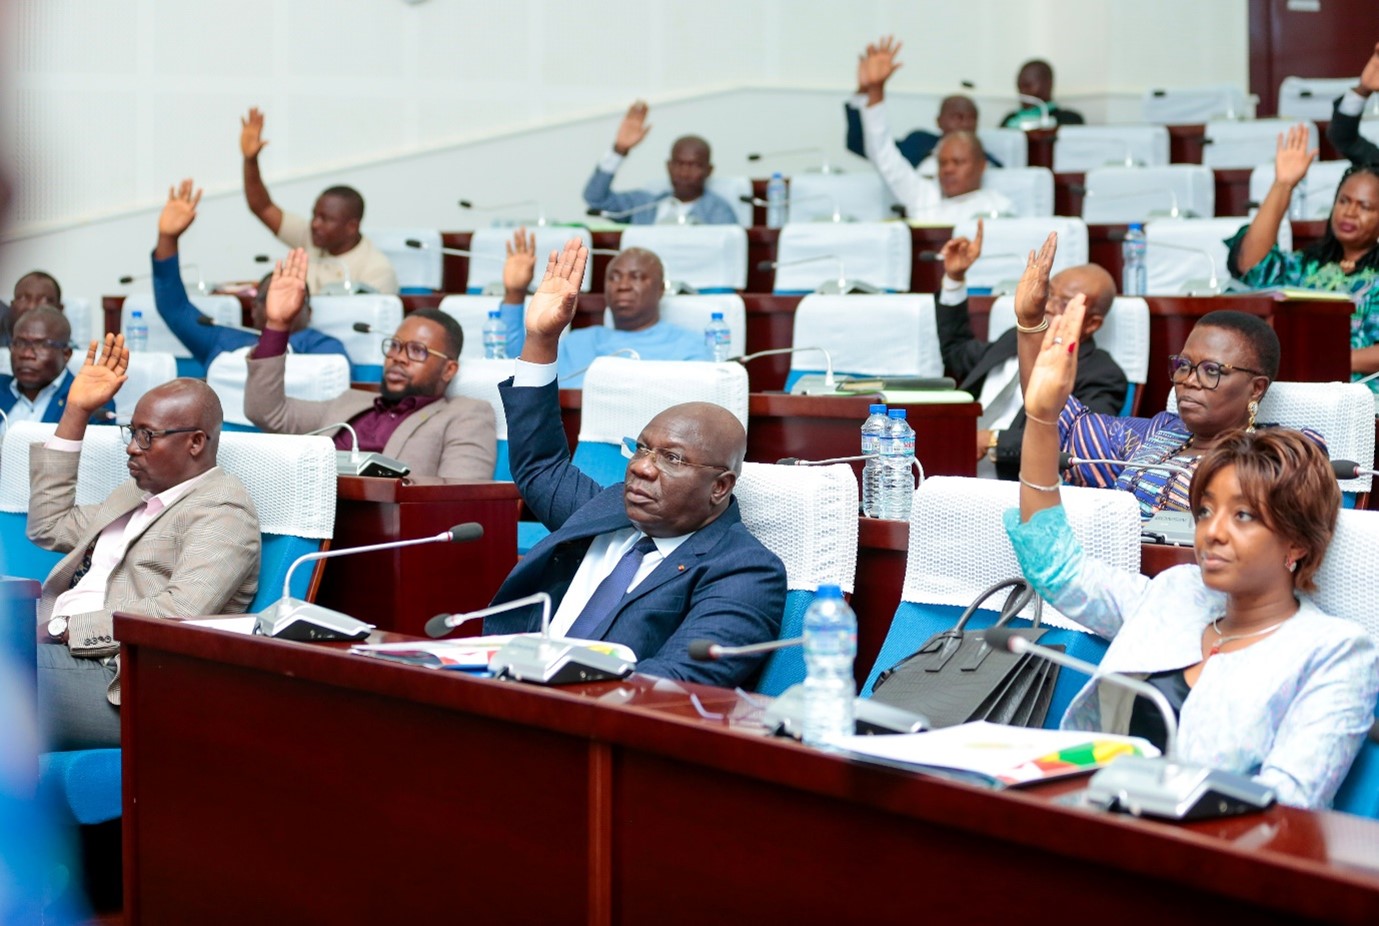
(777, 209)
(718, 337)
(1134, 275)
(830, 644)
(872, 430)
(897, 487)
(495, 337)
(136, 332)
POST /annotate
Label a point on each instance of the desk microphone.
(208, 322)
(1210, 286)
(626, 213)
(290, 619)
(419, 245)
(796, 461)
(1066, 460)
(785, 716)
(827, 387)
(541, 659)
(841, 286)
(835, 216)
(620, 352)
(1045, 120)
(823, 168)
(363, 327)
(499, 207)
(1164, 786)
(1349, 469)
(201, 286)
(1174, 212)
(354, 463)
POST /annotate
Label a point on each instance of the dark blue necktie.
(610, 591)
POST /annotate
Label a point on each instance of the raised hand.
(251, 134)
(1369, 77)
(520, 264)
(286, 291)
(1051, 380)
(553, 305)
(632, 129)
(959, 254)
(1292, 158)
(100, 377)
(878, 64)
(1033, 290)
(180, 210)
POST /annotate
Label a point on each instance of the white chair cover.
(1171, 269)
(1312, 198)
(290, 478)
(85, 327)
(416, 268)
(959, 547)
(704, 256)
(807, 516)
(1133, 194)
(1124, 333)
(884, 335)
(478, 379)
(1310, 98)
(336, 316)
(1236, 145)
(148, 369)
(1190, 105)
(859, 197)
(1084, 147)
(1342, 413)
(1030, 189)
(1009, 146)
(488, 252)
(693, 313)
(315, 377)
(224, 310)
(878, 253)
(1344, 586)
(733, 189)
(471, 312)
(622, 395)
(1007, 243)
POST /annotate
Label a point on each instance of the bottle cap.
(828, 591)
(137, 313)
(877, 409)
(1137, 226)
(897, 413)
(716, 317)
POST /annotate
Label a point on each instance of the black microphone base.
(348, 463)
(785, 716)
(290, 619)
(550, 661)
(1146, 786)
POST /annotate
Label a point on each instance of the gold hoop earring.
(1253, 409)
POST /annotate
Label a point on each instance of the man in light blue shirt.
(39, 351)
(632, 288)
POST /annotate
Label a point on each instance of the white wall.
(110, 101)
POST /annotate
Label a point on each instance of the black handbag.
(956, 678)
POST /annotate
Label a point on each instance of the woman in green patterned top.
(1345, 260)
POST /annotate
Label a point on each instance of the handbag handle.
(1021, 591)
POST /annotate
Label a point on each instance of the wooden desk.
(402, 589)
(267, 775)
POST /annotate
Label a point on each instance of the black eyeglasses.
(416, 350)
(1209, 372)
(145, 436)
(37, 345)
(667, 461)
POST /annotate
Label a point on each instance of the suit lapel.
(407, 427)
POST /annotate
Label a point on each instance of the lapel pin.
(681, 567)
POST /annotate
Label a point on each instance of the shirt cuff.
(63, 444)
(528, 374)
(271, 344)
(857, 101)
(952, 292)
(1352, 104)
(610, 162)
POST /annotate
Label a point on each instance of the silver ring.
(1058, 340)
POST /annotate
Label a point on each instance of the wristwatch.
(57, 628)
(991, 445)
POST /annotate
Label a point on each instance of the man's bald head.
(724, 439)
(957, 113)
(195, 405)
(689, 167)
(1093, 282)
(682, 477)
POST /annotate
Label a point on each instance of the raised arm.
(1344, 131)
(94, 386)
(169, 295)
(1291, 161)
(553, 305)
(251, 142)
(518, 269)
(598, 192)
(1031, 296)
(874, 68)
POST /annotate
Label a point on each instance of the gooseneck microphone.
(709, 651)
(824, 166)
(1066, 460)
(840, 286)
(352, 462)
(208, 322)
(616, 214)
(290, 619)
(419, 245)
(829, 384)
(796, 461)
(1349, 469)
(1164, 786)
(442, 624)
(499, 207)
(542, 659)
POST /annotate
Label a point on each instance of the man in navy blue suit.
(656, 561)
(39, 351)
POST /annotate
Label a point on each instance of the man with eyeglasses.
(654, 562)
(39, 351)
(180, 538)
(409, 419)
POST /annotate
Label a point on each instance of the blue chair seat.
(85, 781)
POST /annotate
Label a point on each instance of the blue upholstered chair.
(958, 549)
(478, 379)
(806, 515)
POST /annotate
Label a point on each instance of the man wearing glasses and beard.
(409, 419)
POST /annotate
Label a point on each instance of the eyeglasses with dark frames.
(37, 345)
(416, 351)
(145, 436)
(1209, 372)
(667, 461)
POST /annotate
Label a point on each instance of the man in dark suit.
(1344, 131)
(654, 562)
(991, 371)
(39, 351)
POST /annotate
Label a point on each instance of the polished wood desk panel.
(402, 589)
(616, 802)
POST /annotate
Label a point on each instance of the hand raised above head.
(1292, 158)
(1369, 77)
(959, 254)
(632, 129)
(286, 291)
(520, 265)
(1051, 380)
(1033, 290)
(100, 377)
(251, 140)
(876, 66)
(553, 305)
(180, 210)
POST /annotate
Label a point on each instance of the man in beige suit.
(409, 419)
(181, 538)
